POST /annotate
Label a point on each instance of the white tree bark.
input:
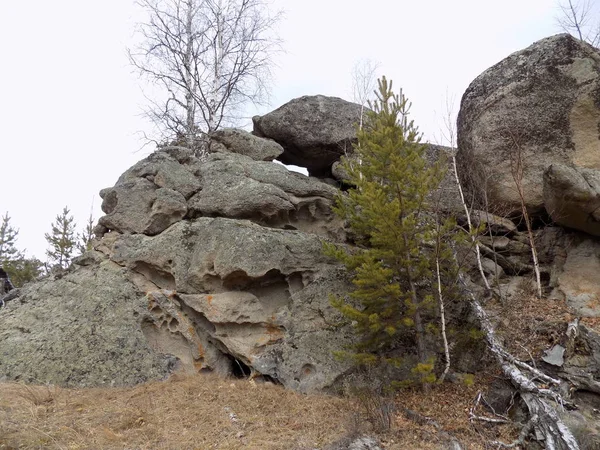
(470, 224)
(555, 433)
(209, 58)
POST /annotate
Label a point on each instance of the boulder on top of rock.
(572, 197)
(233, 140)
(539, 106)
(238, 187)
(313, 130)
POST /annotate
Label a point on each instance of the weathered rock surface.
(80, 330)
(169, 289)
(235, 186)
(578, 278)
(314, 131)
(150, 196)
(572, 197)
(254, 293)
(232, 140)
(540, 105)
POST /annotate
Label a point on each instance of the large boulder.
(539, 106)
(572, 197)
(314, 131)
(192, 290)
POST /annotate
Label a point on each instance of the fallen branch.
(472, 416)
(548, 425)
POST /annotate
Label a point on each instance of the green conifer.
(8, 239)
(19, 268)
(84, 239)
(61, 240)
(393, 262)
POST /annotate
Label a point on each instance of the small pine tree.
(61, 240)
(8, 239)
(20, 269)
(84, 239)
(393, 263)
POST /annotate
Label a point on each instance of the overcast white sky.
(69, 102)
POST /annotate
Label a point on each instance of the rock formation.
(198, 266)
(217, 265)
(314, 131)
(540, 105)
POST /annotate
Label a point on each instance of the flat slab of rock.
(232, 140)
(540, 105)
(238, 187)
(498, 226)
(313, 130)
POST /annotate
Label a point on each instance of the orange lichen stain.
(209, 299)
(274, 332)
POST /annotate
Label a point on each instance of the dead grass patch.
(207, 412)
(529, 325)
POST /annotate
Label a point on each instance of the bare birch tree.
(208, 59)
(517, 171)
(364, 83)
(580, 18)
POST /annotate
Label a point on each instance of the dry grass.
(449, 405)
(529, 325)
(200, 412)
(206, 412)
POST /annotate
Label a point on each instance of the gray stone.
(491, 223)
(314, 131)
(554, 356)
(80, 330)
(540, 105)
(151, 195)
(572, 197)
(213, 255)
(236, 186)
(138, 206)
(578, 280)
(232, 140)
(166, 171)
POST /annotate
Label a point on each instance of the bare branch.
(579, 17)
(208, 58)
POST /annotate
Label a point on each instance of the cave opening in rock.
(238, 368)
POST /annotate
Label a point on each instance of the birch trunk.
(548, 425)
